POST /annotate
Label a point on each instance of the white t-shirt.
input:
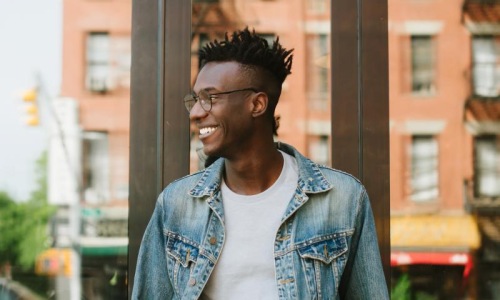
(245, 269)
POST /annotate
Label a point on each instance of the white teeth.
(207, 130)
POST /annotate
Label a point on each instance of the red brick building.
(96, 73)
(444, 146)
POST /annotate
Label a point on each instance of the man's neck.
(255, 172)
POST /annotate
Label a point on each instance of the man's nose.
(197, 112)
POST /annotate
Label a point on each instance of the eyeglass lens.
(203, 97)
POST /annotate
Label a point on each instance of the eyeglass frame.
(211, 96)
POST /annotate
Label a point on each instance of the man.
(263, 221)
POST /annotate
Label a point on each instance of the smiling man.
(262, 221)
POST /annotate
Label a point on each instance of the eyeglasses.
(205, 98)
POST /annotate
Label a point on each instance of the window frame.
(495, 140)
(494, 65)
(94, 62)
(103, 188)
(413, 177)
(430, 65)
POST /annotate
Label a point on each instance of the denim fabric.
(325, 248)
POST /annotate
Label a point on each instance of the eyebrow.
(208, 89)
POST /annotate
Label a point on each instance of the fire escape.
(482, 120)
(482, 108)
(212, 18)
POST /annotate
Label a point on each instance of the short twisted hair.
(248, 48)
(267, 65)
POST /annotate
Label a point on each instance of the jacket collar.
(311, 179)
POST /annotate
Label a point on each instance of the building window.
(319, 150)
(120, 61)
(108, 62)
(487, 166)
(486, 67)
(98, 62)
(317, 81)
(317, 6)
(95, 167)
(424, 168)
(422, 65)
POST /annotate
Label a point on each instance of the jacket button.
(192, 281)
(213, 240)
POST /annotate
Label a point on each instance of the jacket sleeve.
(363, 277)
(151, 279)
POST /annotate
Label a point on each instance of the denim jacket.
(325, 248)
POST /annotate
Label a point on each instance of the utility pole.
(65, 190)
(64, 187)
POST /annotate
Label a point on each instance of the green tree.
(23, 225)
(401, 290)
(8, 238)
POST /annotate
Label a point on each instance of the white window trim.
(483, 28)
(315, 127)
(422, 27)
(317, 27)
(480, 128)
(424, 127)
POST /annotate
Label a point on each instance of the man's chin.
(210, 151)
(208, 157)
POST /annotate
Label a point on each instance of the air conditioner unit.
(97, 84)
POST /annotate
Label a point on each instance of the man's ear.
(260, 103)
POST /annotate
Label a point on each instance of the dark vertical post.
(159, 127)
(360, 103)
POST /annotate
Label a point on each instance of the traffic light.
(31, 97)
(67, 257)
(54, 262)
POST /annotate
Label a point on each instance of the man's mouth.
(206, 131)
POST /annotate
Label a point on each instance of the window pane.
(120, 59)
(317, 62)
(319, 149)
(98, 52)
(486, 68)
(96, 167)
(424, 168)
(422, 59)
(317, 6)
(487, 167)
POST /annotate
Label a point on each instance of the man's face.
(226, 128)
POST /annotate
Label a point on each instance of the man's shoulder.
(338, 174)
(184, 183)
(308, 170)
(340, 178)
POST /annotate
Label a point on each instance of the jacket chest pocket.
(182, 255)
(323, 260)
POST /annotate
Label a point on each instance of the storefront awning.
(434, 232)
(401, 258)
(104, 246)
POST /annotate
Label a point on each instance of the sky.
(30, 35)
